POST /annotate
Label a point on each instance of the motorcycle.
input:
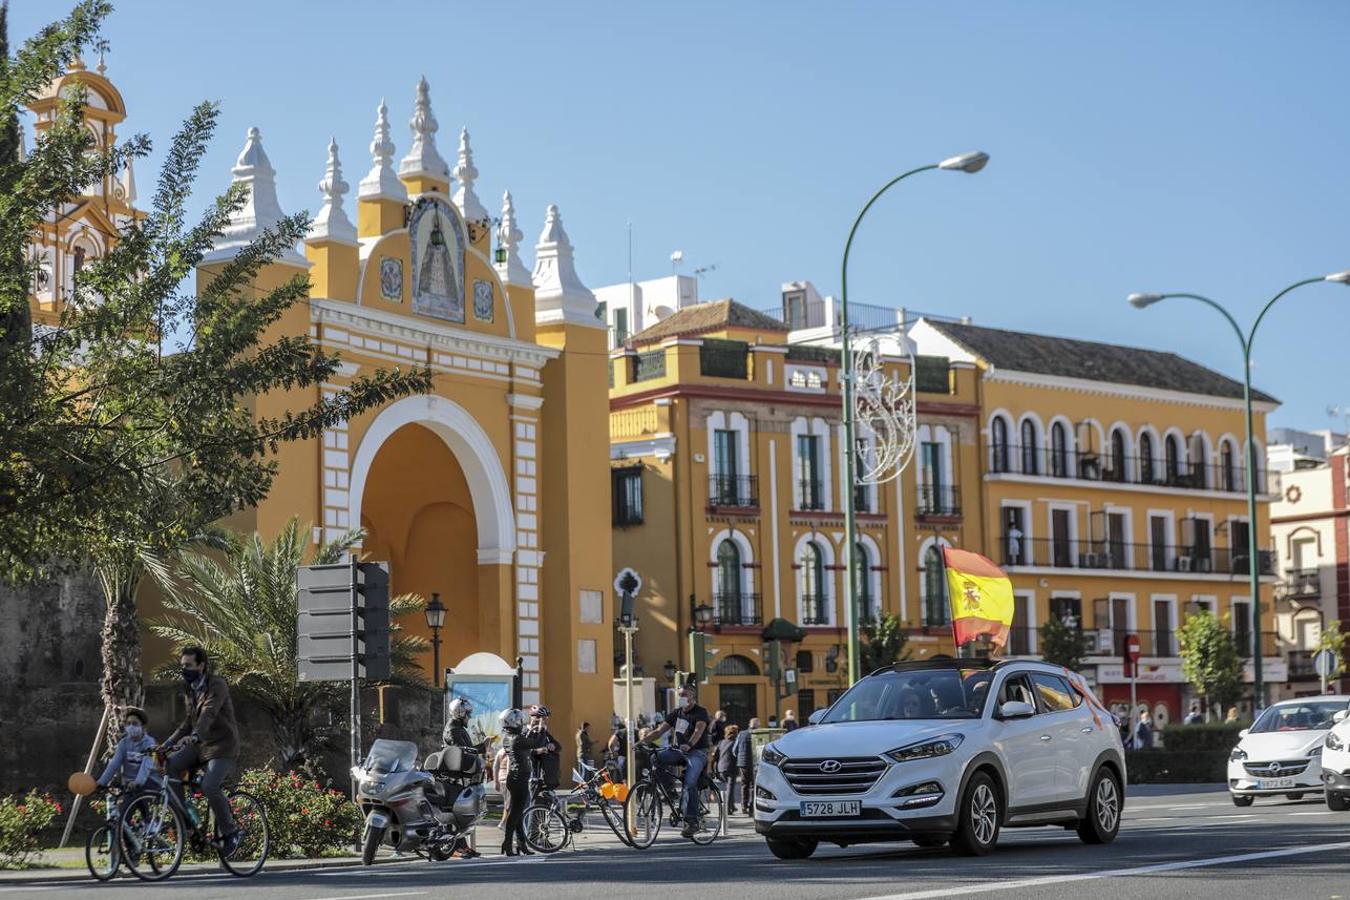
(419, 809)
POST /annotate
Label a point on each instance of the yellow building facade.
(1113, 488)
(726, 450)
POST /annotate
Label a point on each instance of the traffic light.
(372, 610)
(773, 661)
(700, 657)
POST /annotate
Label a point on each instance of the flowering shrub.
(21, 819)
(304, 818)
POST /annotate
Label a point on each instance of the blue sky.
(1136, 146)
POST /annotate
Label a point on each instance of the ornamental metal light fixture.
(435, 613)
(966, 162)
(669, 670)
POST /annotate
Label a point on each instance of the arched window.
(934, 587)
(1030, 448)
(1171, 459)
(813, 585)
(1059, 451)
(1227, 468)
(999, 442)
(1145, 458)
(862, 584)
(728, 597)
(736, 665)
(1197, 458)
(1118, 462)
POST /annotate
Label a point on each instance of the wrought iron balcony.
(1120, 556)
(733, 491)
(1084, 466)
(736, 608)
(811, 494)
(1301, 584)
(815, 610)
(939, 500)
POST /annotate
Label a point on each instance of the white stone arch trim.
(826, 548)
(747, 574)
(1155, 452)
(939, 542)
(1038, 445)
(1126, 465)
(1070, 444)
(872, 571)
(475, 453)
(1011, 429)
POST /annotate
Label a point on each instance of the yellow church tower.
(493, 489)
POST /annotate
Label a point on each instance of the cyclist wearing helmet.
(550, 762)
(456, 734)
(519, 748)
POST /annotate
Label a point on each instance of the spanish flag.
(981, 596)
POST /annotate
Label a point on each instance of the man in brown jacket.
(207, 739)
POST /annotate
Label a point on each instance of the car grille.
(853, 774)
(1286, 768)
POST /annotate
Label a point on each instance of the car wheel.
(1294, 796)
(1103, 810)
(930, 840)
(979, 817)
(791, 849)
(1240, 800)
(1338, 802)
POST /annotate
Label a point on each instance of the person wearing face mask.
(132, 761)
(689, 724)
(207, 739)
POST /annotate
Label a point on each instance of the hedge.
(1216, 736)
(1177, 766)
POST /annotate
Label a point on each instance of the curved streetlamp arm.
(1237, 329)
(848, 245)
(1265, 309)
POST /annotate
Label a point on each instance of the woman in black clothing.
(519, 747)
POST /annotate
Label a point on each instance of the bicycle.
(102, 849)
(156, 827)
(659, 782)
(552, 820)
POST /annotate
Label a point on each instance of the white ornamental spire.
(381, 183)
(467, 173)
(559, 295)
(261, 209)
(509, 236)
(331, 223)
(129, 184)
(423, 160)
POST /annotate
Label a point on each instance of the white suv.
(914, 752)
(1336, 763)
(1282, 752)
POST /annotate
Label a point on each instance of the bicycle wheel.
(101, 853)
(709, 818)
(613, 816)
(642, 814)
(153, 835)
(254, 840)
(546, 830)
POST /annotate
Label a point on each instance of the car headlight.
(926, 749)
(1238, 755)
(771, 756)
(1315, 752)
(1333, 742)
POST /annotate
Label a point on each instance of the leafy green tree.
(885, 645)
(1063, 644)
(1333, 639)
(130, 427)
(1209, 659)
(242, 611)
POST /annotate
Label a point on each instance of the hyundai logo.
(830, 766)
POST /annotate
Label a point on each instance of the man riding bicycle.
(208, 739)
(689, 723)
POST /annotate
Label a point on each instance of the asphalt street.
(1194, 844)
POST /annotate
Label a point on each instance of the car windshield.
(387, 757)
(1308, 715)
(915, 694)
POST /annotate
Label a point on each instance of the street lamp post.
(1141, 301)
(435, 613)
(966, 162)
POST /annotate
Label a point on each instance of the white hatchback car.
(1281, 754)
(915, 753)
(1336, 763)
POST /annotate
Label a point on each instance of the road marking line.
(371, 896)
(1112, 873)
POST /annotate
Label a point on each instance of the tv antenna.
(704, 270)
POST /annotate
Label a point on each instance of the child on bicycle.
(132, 761)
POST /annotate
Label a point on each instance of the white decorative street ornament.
(883, 406)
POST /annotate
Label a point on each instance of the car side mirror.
(1340, 716)
(1016, 709)
(1243, 733)
(815, 717)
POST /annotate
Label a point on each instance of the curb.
(35, 876)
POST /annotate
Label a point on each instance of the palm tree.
(242, 611)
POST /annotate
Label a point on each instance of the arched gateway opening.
(429, 490)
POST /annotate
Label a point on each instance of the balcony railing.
(939, 500)
(737, 609)
(1083, 466)
(1301, 665)
(811, 493)
(649, 365)
(723, 359)
(1301, 584)
(733, 491)
(815, 610)
(1269, 643)
(1061, 554)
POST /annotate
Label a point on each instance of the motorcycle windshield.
(387, 757)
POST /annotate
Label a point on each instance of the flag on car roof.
(981, 596)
